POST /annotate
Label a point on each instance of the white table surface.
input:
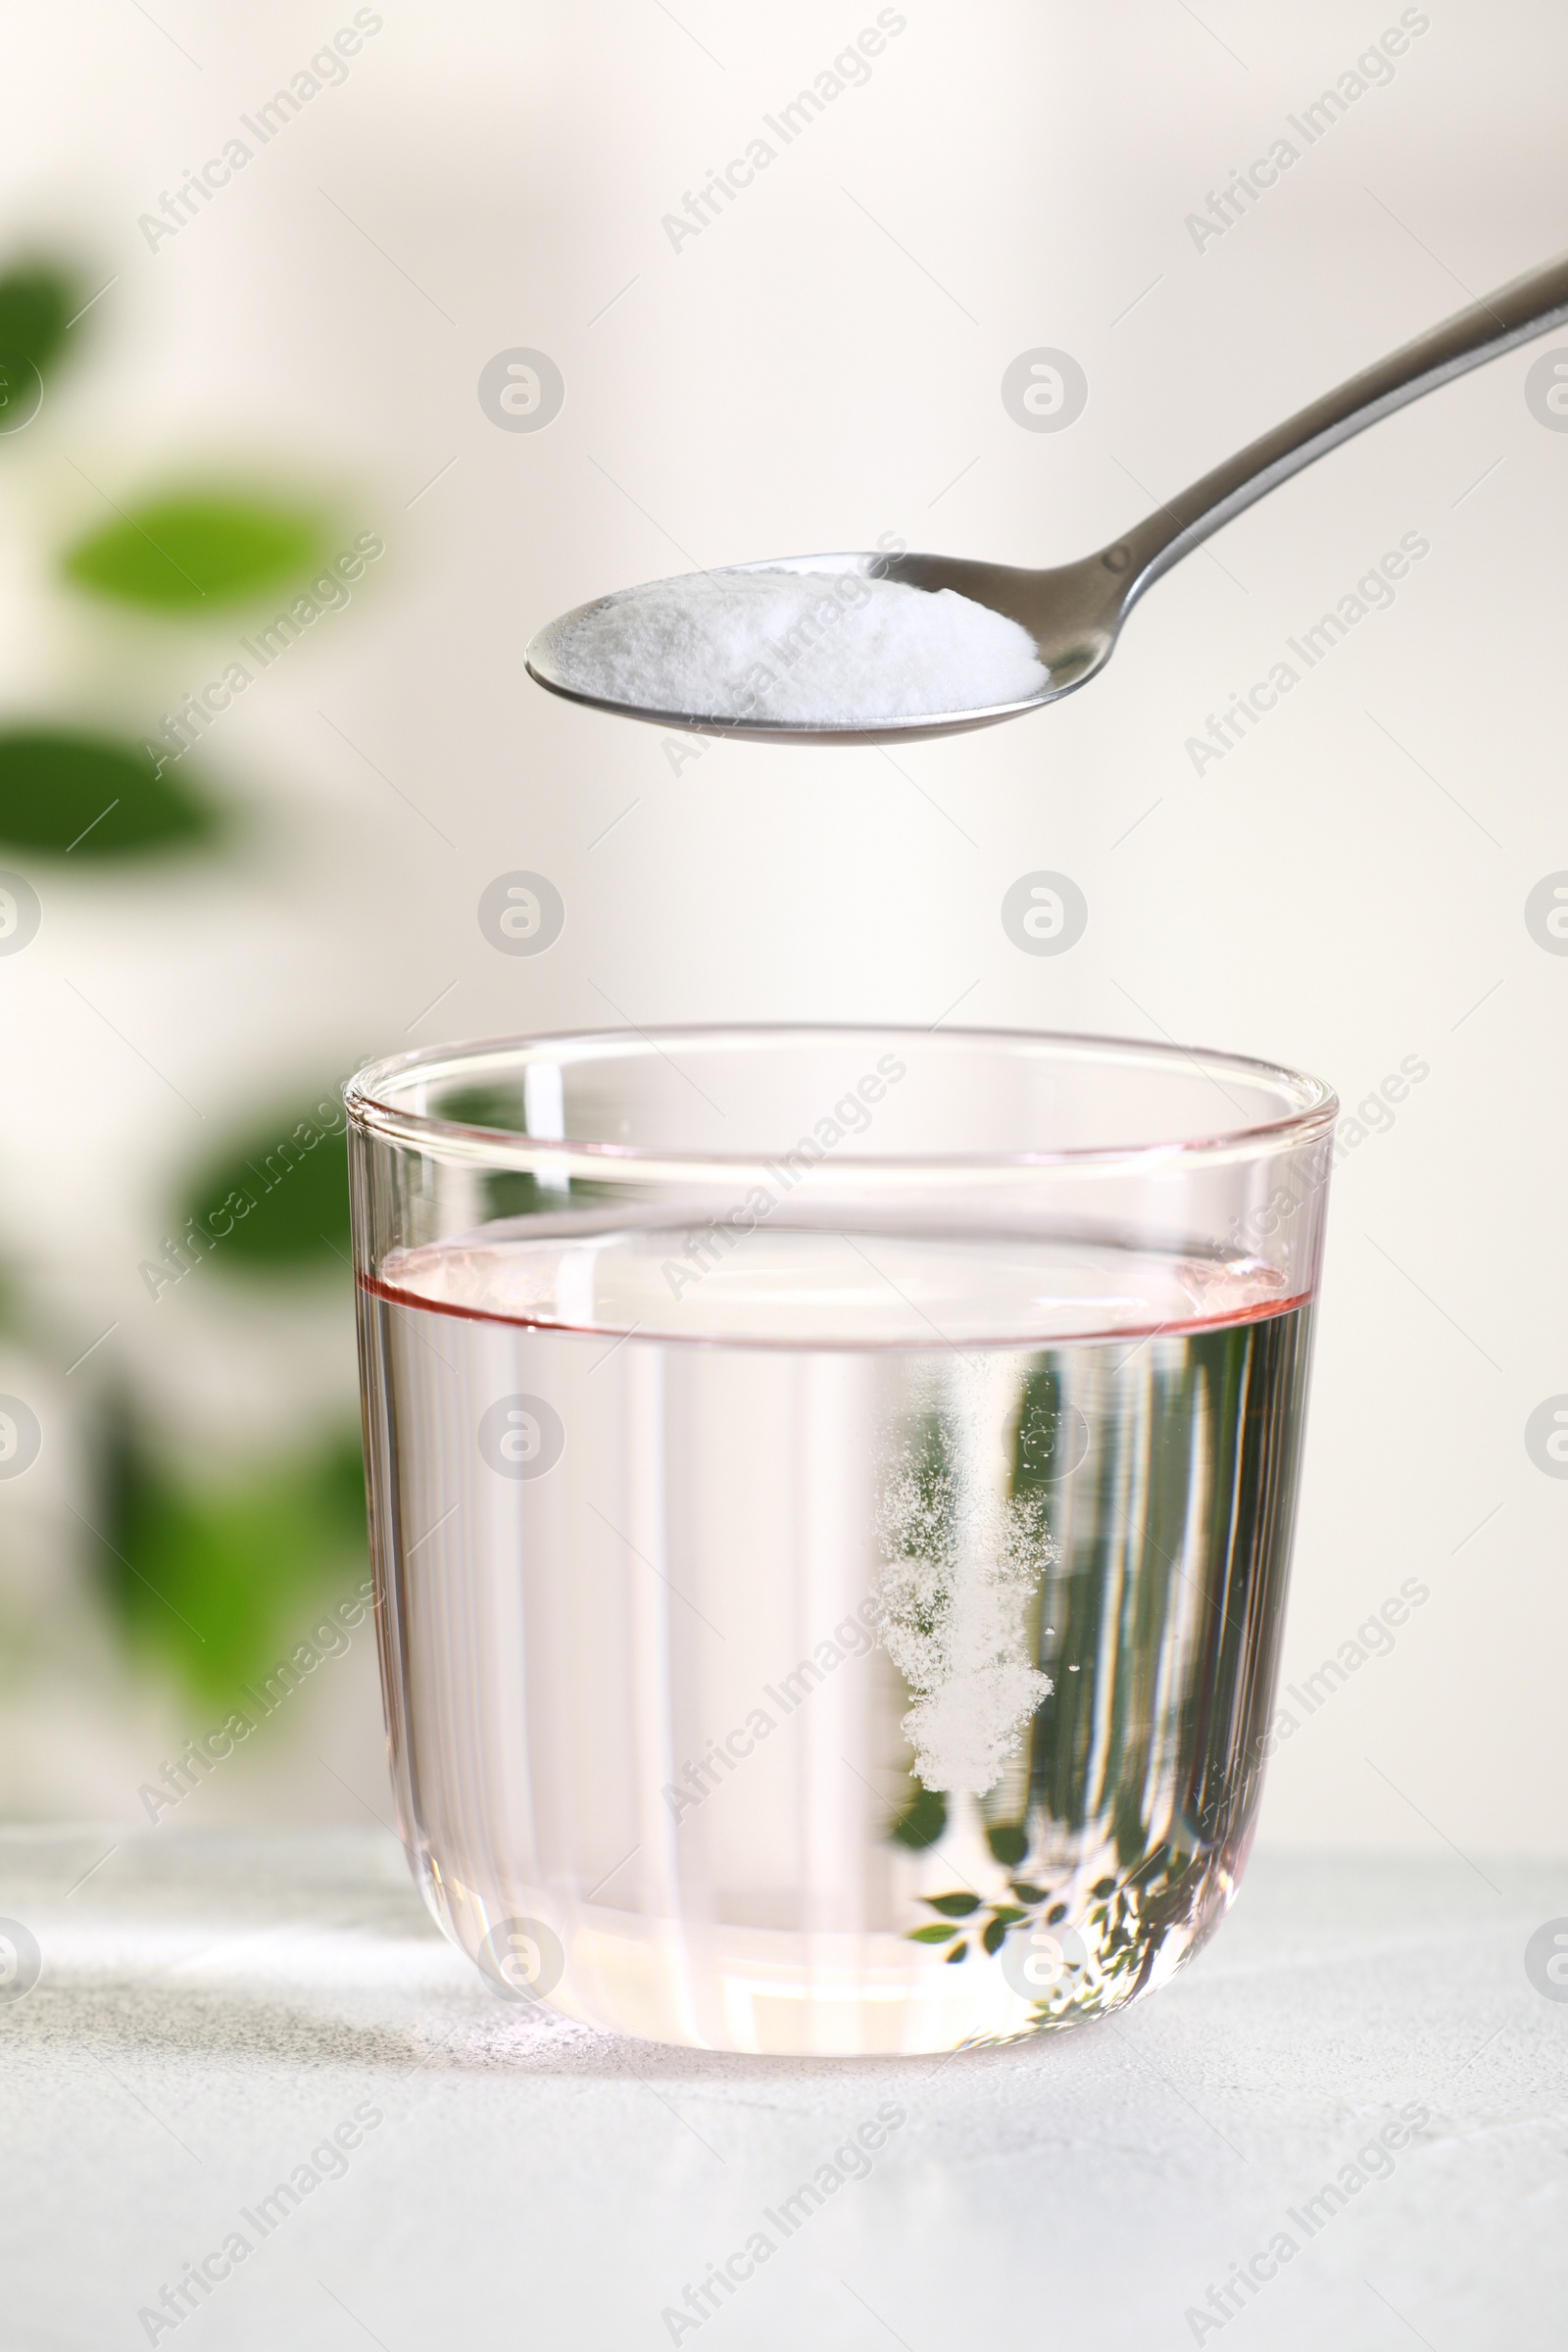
(210, 2010)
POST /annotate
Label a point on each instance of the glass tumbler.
(831, 1495)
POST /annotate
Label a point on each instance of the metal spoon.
(1075, 612)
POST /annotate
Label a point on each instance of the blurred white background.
(820, 365)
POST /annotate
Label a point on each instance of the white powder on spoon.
(812, 648)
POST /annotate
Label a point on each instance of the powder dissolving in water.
(802, 648)
(961, 1569)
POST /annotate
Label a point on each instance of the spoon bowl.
(1074, 611)
(1059, 609)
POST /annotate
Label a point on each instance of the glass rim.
(369, 1096)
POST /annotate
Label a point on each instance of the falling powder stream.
(961, 1569)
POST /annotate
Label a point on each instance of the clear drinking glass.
(831, 1496)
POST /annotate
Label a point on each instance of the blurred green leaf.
(37, 301)
(495, 1103)
(279, 1201)
(1027, 1894)
(924, 1820)
(512, 1193)
(1007, 1841)
(995, 1935)
(953, 1906)
(959, 1951)
(178, 553)
(91, 796)
(932, 1935)
(225, 1583)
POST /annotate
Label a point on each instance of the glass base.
(773, 1993)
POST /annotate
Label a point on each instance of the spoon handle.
(1518, 310)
